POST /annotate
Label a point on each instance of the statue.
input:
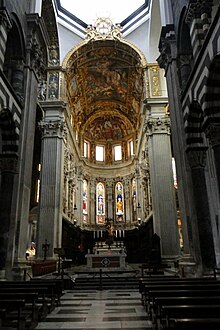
(110, 234)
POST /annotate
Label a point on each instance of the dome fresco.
(105, 85)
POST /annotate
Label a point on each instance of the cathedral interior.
(109, 134)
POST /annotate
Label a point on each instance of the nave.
(98, 309)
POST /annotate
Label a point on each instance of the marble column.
(168, 61)
(163, 197)
(197, 160)
(50, 204)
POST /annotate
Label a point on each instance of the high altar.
(107, 257)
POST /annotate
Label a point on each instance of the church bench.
(46, 299)
(175, 284)
(186, 311)
(15, 306)
(58, 286)
(35, 282)
(158, 302)
(145, 280)
(204, 323)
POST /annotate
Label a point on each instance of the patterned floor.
(106, 310)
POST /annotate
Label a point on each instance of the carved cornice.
(197, 156)
(166, 53)
(196, 8)
(157, 126)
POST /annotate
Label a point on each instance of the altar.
(107, 258)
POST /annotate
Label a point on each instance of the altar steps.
(109, 283)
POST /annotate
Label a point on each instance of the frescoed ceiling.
(105, 89)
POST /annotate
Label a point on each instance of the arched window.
(100, 203)
(85, 201)
(119, 198)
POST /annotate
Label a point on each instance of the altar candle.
(119, 231)
(116, 233)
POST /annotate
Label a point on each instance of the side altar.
(107, 257)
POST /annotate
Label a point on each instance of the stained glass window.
(85, 201)
(85, 187)
(119, 199)
(100, 203)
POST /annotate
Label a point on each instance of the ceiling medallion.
(103, 29)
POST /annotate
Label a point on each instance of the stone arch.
(184, 50)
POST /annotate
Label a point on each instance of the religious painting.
(100, 203)
(109, 128)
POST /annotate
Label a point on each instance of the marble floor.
(95, 309)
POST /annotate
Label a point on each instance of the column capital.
(53, 128)
(160, 125)
(197, 156)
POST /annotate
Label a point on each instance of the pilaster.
(92, 201)
(109, 199)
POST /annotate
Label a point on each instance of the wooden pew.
(187, 311)
(46, 291)
(58, 288)
(45, 301)
(16, 307)
(195, 324)
(159, 302)
(174, 284)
